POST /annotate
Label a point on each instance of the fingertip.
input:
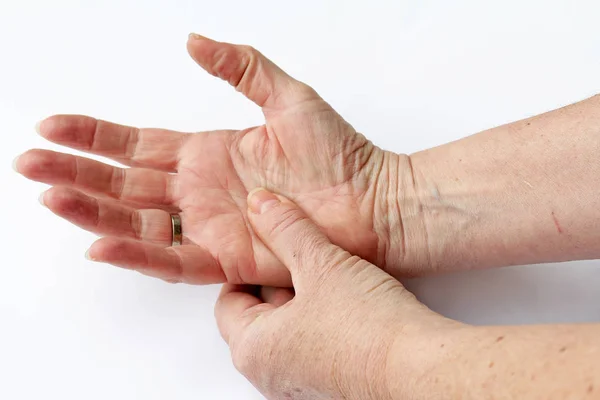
(260, 200)
(195, 36)
(38, 127)
(53, 198)
(202, 51)
(196, 45)
(15, 164)
(72, 205)
(96, 250)
(41, 199)
(25, 164)
(46, 126)
(89, 256)
(106, 249)
(122, 253)
(76, 131)
(34, 163)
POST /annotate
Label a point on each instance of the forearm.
(533, 362)
(522, 193)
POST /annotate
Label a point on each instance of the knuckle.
(136, 224)
(305, 92)
(287, 218)
(235, 64)
(224, 63)
(348, 261)
(262, 360)
(352, 265)
(306, 255)
(233, 268)
(333, 259)
(247, 69)
(132, 144)
(117, 181)
(242, 359)
(249, 50)
(246, 355)
(309, 249)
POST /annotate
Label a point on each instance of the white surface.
(408, 74)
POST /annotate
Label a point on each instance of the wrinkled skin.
(305, 151)
(339, 334)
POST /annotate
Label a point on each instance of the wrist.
(400, 218)
(430, 221)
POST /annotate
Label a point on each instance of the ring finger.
(108, 217)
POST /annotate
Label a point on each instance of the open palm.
(305, 151)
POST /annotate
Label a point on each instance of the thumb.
(249, 72)
(293, 237)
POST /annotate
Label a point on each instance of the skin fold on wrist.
(399, 219)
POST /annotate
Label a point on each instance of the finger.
(249, 72)
(108, 217)
(149, 148)
(276, 296)
(135, 184)
(187, 264)
(291, 236)
(236, 308)
(169, 208)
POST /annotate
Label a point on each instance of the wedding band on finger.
(177, 232)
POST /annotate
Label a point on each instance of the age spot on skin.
(499, 339)
(558, 228)
(491, 365)
(590, 388)
(563, 349)
(442, 346)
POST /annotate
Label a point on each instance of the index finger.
(149, 148)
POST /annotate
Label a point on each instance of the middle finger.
(132, 184)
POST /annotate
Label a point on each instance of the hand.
(305, 150)
(334, 337)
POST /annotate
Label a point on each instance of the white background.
(409, 74)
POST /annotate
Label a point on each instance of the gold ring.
(177, 232)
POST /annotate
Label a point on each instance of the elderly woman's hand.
(338, 337)
(305, 150)
(351, 331)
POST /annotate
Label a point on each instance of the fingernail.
(14, 163)
(41, 199)
(87, 255)
(195, 36)
(261, 201)
(37, 127)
